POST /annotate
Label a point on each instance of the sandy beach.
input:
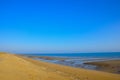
(15, 67)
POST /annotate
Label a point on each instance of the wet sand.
(112, 66)
(15, 67)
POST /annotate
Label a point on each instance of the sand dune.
(14, 67)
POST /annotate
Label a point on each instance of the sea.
(97, 54)
(75, 59)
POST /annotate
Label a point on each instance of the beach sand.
(15, 67)
(112, 66)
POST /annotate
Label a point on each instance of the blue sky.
(59, 26)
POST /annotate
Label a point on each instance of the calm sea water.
(102, 54)
(78, 59)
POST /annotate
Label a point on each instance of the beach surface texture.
(112, 66)
(15, 67)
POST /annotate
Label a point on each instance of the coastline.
(15, 67)
(81, 62)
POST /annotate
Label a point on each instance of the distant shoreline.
(78, 62)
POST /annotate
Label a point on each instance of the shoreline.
(16, 67)
(81, 63)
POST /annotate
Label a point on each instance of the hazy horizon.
(59, 26)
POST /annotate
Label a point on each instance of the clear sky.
(59, 25)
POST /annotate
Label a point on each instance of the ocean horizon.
(96, 54)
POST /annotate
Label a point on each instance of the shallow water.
(76, 61)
